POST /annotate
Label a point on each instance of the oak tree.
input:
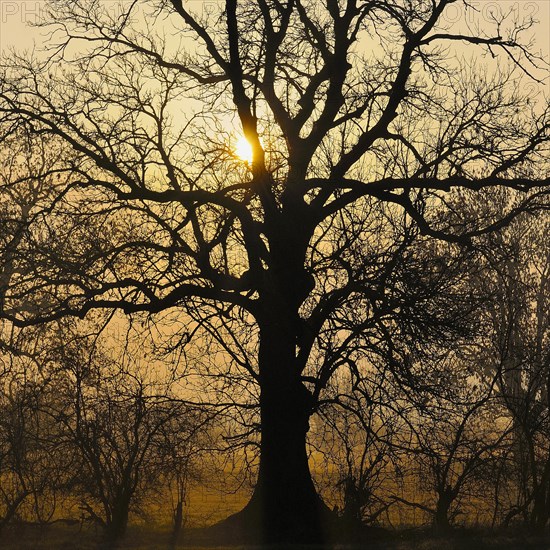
(363, 117)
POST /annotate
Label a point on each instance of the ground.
(141, 538)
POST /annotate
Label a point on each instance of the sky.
(15, 14)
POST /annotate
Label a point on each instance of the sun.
(243, 150)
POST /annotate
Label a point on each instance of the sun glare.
(243, 150)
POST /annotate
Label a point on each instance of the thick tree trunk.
(285, 498)
(285, 506)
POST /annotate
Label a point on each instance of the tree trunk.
(116, 528)
(441, 518)
(285, 506)
(540, 511)
(178, 523)
(285, 495)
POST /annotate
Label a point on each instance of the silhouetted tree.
(114, 421)
(519, 353)
(357, 424)
(454, 437)
(182, 445)
(30, 474)
(356, 112)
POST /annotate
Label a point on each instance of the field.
(62, 537)
(207, 506)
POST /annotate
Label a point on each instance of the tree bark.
(116, 528)
(178, 524)
(540, 512)
(285, 506)
(441, 518)
(285, 497)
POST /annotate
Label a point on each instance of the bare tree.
(31, 475)
(113, 421)
(357, 425)
(182, 446)
(349, 108)
(454, 438)
(519, 354)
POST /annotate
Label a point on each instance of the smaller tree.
(519, 354)
(181, 441)
(455, 430)
(29, 472)
(358, 421)
(114, 420)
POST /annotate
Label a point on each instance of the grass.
(60, 537)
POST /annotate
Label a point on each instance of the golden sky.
(15, 14)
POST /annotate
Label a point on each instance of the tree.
(181, 447)
(31, 475)
(358, 424)
(358, 114)
(518, 353)
(454, 438)
(113, 420)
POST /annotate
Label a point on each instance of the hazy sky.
(15, 14)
